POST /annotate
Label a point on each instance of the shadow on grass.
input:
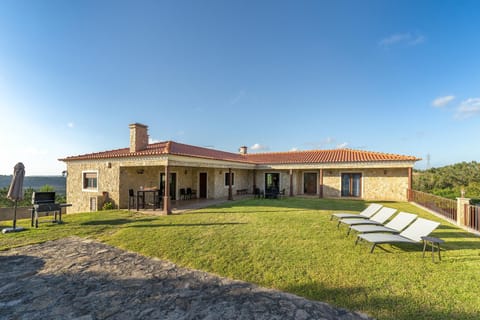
(204, 211)
(365, 300)
(185, 225)
(300, 203)
(113, 222)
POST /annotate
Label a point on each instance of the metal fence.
(472, 215)
(442, 206)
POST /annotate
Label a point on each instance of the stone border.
(74, 278)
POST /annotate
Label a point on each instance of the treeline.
(449, 181)
(27, 199)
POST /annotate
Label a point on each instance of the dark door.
(173, 185)
(202, 185)
(351, 184)
(310, 183)
(272, 183)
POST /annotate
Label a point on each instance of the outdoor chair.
(131, 199)
(189, 193)
(258, 193)
(413, 234)
(183, 194)
(365, 214)
(396, 225)
(378, 218)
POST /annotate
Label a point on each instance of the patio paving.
(181, 206)
(74, 278)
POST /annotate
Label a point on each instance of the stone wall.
(107, 181)
(6, 214)
(243, 179)
(116, 177)
(377, 184)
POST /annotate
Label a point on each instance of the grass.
(291, 245)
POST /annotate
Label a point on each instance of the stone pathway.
(73, 278)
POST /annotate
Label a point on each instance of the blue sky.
(389, 76)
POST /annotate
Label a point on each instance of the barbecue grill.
(44, 202)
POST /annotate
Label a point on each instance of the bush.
(108, 206)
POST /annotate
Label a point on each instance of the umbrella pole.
(15, 215)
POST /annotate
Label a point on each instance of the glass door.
(272, 183)
(351, 185)
(173, 185)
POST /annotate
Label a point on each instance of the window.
(90, 180)
(351, 185)
(227, 179)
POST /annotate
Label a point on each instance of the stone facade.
(116, 177)
(142, 165)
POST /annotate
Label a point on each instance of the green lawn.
(292, 245)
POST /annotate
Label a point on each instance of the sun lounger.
(413, 234)
(378, 218)
(396, 225)
(365, 214)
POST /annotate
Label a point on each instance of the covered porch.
(146, 186)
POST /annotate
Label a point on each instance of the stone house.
(173, 167)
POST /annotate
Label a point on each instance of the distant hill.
(448, 181)
(36, 182)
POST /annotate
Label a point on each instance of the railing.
(442, 206)
(472, 217)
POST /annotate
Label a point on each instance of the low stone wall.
(6, 214)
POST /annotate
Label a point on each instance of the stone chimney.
(243, 150)
(138, 137)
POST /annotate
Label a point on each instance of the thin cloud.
(70, 125)
(442, 101)
(150, 140)
(324, 143)
(342, 145)
(258, 147)
(468, 108)
(238, 98)
(294, 149)
(406, 39)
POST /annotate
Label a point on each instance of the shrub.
(108, 206)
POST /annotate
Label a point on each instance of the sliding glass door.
(351, 185)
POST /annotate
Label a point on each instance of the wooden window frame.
(90, 181)
(360, 187)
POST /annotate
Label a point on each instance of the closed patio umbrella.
(15, 193)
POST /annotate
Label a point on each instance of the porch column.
(166, 197)
(230, 196)
(291, 182)
(462, 208)
(320, 182)
(409, 184)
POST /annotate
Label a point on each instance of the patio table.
(142, 195)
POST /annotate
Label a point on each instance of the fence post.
(461, 202)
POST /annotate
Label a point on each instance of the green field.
(292, 245)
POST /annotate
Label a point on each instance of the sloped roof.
(292, 157)
(326, 156)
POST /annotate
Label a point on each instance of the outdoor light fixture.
(140, 171)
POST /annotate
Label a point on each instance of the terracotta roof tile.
(161, 148)
(325, 156)
(293, 157)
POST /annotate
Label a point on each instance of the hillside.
(448, 181)
(36, 182)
